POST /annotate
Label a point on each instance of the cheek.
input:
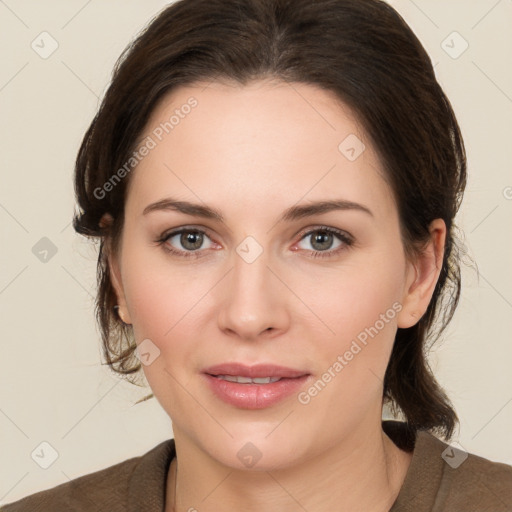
(169, 304)
(359, 305)
(353, 298)
(165, 307)
(161, 294)
(361, 308)
(152, 307)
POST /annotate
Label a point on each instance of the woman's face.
(259, 286)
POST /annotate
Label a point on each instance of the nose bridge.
(250, 272)
(252, 303)
(250, 283)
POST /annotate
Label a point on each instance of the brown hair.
(364, 52)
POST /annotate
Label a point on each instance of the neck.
(365, 473)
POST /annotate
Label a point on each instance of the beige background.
(53, 387)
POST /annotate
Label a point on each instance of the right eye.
(190, 240)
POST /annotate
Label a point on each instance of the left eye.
(322, 240)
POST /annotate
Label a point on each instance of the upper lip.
(254, 371)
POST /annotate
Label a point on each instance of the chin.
(257, 452)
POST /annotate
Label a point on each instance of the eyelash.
(342, 236)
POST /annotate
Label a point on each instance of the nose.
(255, 302)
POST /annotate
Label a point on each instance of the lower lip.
(254, 396)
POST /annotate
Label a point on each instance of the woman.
(274, 184)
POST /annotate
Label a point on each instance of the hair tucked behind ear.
(361, 50)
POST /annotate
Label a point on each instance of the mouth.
(254, 387)
(246, 374)
(247, 380)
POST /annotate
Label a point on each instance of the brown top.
(439, 478)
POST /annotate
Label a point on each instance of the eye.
(185, 241)
(322, 240)
(189, 242)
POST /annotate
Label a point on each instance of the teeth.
(248, 380)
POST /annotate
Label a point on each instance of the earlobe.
(422, 277)
(408, 315)
(106, 221)
(115, 272)
(115, 276)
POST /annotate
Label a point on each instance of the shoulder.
(108, 489)
(474, 482)
(106, 486)
(102, 490)
(442, 477)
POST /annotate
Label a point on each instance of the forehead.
(223, 142)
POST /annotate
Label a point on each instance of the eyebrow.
(293, 213)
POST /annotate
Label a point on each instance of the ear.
(115, 272)
(422, 276)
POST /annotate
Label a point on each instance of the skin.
(251, 152)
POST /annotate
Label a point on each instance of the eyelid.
(195, 227)
(322, 227)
